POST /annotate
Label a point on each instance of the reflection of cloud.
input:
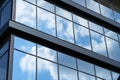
(63, 13)
(28, 63)
(23, 9)
(64, 29)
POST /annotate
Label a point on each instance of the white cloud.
(28, 63)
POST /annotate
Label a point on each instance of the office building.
(59, 40)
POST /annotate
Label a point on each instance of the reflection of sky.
(95, 27)
(111, 34)
(67, 60)
(93, 5)
(63, 13)
(98, 43)
(107, 12)
(25, 45)
(113, 49)
(81, 2)
(23, 17)
(47, 70)
(85, 67)
(46, 21)
(115, 76)
(83, 76)
(103, 73)
(24, 65)
(65, 29)
(117, 16)
(46, 53)
(80, 20)
(67, 74)
(82, 36)
(45, 5)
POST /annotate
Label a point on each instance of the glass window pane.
(82, 37)
(3, 67)
(47, 70)
(103, 73)
(25, 65)
(117, 16)
(80, 20)
(93, 5)
(115, 76)
(67, 60)
(46, 53)
(44, 4)
(65, 29)
(67, 74)
(25, 45)
(23, 9)
(113, 49)
(6, 14)
(83, 76)
(63, 13)
(4, 48)
(107, 12)
(96, 27)
(81, 2)
(98, 43)
(46, 22)
(119, 37)
(111, 34)
(31, 1)
(85, 67)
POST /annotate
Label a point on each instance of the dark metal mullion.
(73, 29)
(58, 65)
(10, 59)
(77, 68)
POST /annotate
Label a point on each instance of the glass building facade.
(46, 40)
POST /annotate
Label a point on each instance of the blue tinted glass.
(6, 12)
(65, 29)
(25, 45)
(82, 37)
(63, 13)
(4, 48)
(117, 16)
(95, 27)
(67, 74)
(46, 22)
(111, 34)
(31, 1)
(67, 60)
(93, 5)
(3, 67)
(98, 43)
(85, 67)
(103, 73)
(113, 49)
(46, 53)
(81, 2)
(26, 13)
(46, 5)
(80, 20)
(115, 76)
(107, 12)
(83, 76)
(47, 70)
(24, 66)
(5, 2)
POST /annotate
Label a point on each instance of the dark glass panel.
(6, 13)
(3, 67)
